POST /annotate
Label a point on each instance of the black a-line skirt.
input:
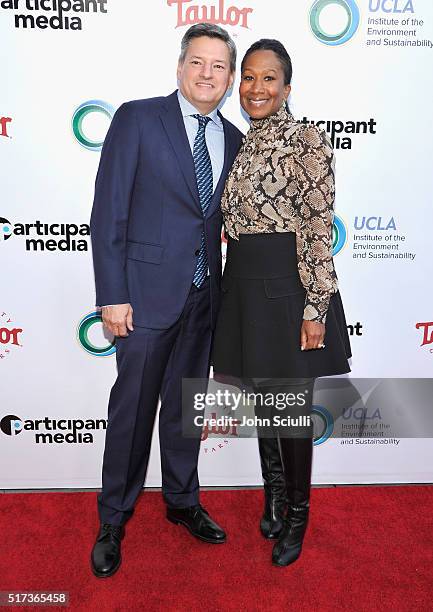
(259, 324)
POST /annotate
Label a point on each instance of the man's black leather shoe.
(197, 520)
(106, 558)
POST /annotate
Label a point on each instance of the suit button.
(197, 253)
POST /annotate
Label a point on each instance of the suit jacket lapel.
(174, 126)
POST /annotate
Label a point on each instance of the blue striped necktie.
(203, 173)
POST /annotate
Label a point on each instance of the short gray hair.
(212, 31)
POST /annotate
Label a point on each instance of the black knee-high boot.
(296, 455)
(274, 484)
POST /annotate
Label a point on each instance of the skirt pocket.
(285, 297)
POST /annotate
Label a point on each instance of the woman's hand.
(312, 335)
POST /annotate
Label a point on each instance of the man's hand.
(312, 335)
(118, 319)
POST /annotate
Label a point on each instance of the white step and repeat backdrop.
(362, 70)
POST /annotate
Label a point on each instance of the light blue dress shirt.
(214, 135)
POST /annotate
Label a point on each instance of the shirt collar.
(189, 109)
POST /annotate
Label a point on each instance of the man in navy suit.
(156, 227)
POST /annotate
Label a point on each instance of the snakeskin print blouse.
(282, 180)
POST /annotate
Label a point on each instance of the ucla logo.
(339, 235)
(374, 223)
(84, 326)
(323, 424)
(348, 30)
(91, 106)
(391, 6)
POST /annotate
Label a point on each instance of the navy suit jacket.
(146, 221)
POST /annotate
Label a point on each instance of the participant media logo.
(54, 14)
(47, 236)
(90, 326)
(93, 110)
(341, 132)
(355, 329)
(11, 425)
(334, 22)
(52, 430)
(220, 13)
(6, 230)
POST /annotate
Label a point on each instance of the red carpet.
(367, 548)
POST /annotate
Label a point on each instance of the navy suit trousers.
(151, 364)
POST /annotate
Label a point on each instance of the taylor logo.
(9, 335)
(427, 332)
(188, 14)
(4, 121)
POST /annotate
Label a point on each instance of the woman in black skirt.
(281, 322)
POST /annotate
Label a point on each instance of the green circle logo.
(84, 326)
(339, 235)
(339, 38)
(323, 422)
(91, 106)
